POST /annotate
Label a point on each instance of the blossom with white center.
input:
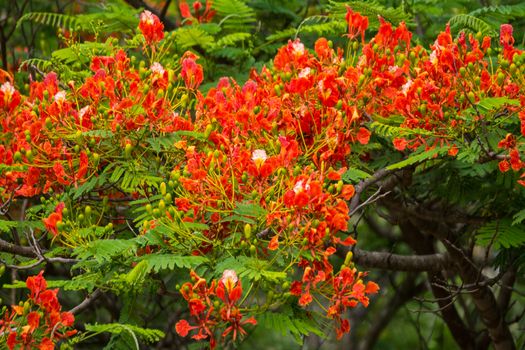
(406, 86)
(300, 186)
(229, 277)
(156, 67)
(60, 97)
(83, 112)
(433, 57)
(259, 157)
(393, 69)
(298, 48)
(7, 89)
(304, 72)
(147, 17)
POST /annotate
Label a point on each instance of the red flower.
(67, 319)
(196, 307)
(11, 340)
(48, 300)
(363, 136)
(191, 71)
(371, 288)
(453, 151)
(400, 143)
(343, 328)
(347, 192)
(305, 299)
(9, 97)
(51, 221)
(36, 285)
(505, 37)
(504, 166)
(33, 320)
(151, 27)
(201, 17)
(46, 344)
(274, 243)
(357, 24)
(183, 327)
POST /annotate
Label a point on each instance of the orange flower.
(357, 24)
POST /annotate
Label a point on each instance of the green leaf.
(158, 262)
(474, 24)
(146, 334)
(354, 175)
(249, 209)
(104, 250)
(295, 324)
(418, 158)
(501, 234)
(6, 225)
(491, 103)
(518, 217)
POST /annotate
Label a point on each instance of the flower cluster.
(201, 14)
(439, 95)
(38, 322)
(55, 138)
(214, 307)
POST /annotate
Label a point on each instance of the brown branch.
(483, 298)
(397, 262)
(361, 186)
(423, 245)
(17, 249)
(86, 302)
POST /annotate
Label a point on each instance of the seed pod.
(162, 188)
(247, 231)
(348, 258)
(127, 150)
(27, 307)
(339, 186)
(209, 129)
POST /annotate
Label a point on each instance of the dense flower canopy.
(252, 171)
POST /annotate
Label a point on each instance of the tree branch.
(397, 262)
(17, 249)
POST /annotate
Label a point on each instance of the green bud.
(247, 231)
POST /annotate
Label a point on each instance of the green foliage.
(113, 18)
(295, 323)
(501, 234)
(472, 24)
(145, 334)
(7, 225)
(234, 15)
(417, 158)
(353, 175)
(159, 262)
(104, 250)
